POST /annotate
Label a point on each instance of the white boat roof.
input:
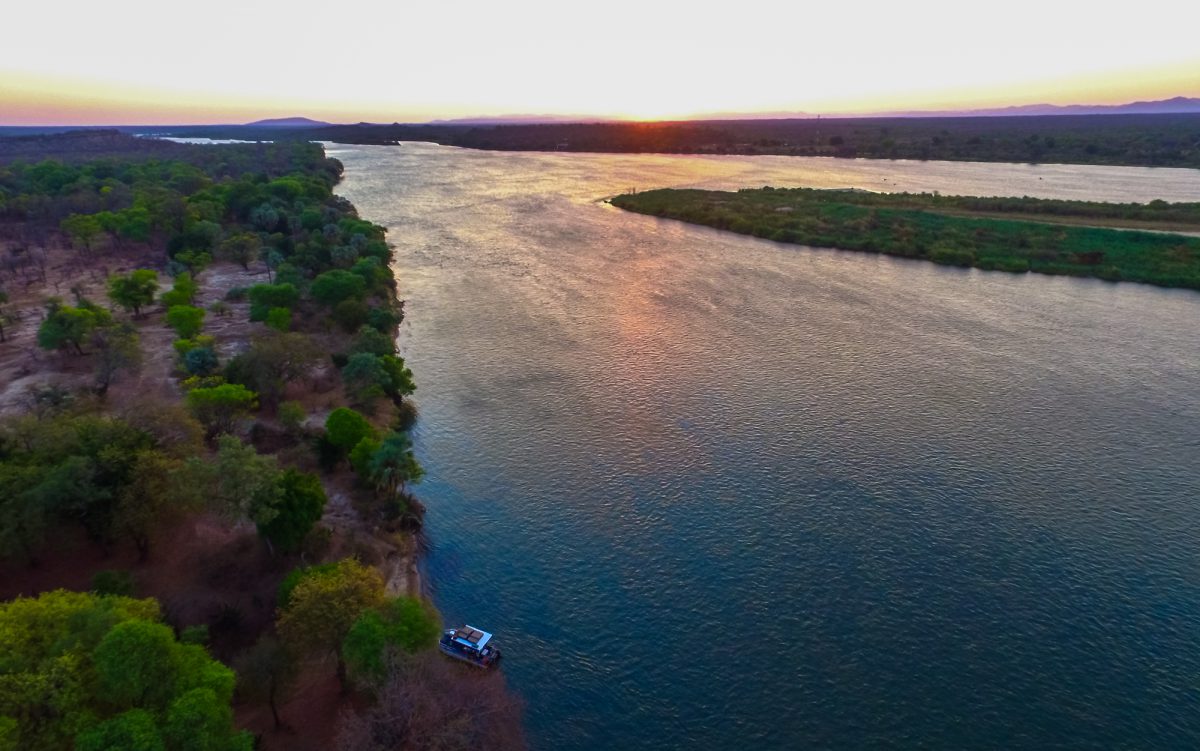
(472, 637)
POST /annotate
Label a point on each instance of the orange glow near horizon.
(127, 62)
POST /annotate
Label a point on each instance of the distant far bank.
(1147, 140)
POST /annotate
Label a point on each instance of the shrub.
(264, 297)
(201, 361)
(279, 319)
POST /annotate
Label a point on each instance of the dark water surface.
(717, 492)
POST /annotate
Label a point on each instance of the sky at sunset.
(160, 62)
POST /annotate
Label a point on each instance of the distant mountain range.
(1179, 104)
(1175, 105)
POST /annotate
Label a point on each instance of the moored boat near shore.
(471, 645)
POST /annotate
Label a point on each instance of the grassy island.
(1004, 234)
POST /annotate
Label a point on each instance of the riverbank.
(253, 375)
(955, 230)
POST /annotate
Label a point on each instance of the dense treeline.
(911, 226)
(1166, 140)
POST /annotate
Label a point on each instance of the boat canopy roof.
(469, 636)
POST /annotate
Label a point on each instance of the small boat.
(471, 645)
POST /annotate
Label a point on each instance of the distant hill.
(1175, 105)
(288, 122)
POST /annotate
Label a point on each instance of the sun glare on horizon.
(631, 61)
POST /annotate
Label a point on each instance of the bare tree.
(431, 704)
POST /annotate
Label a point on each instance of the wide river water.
(717, 492)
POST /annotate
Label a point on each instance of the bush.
(279, 319)
(264, 297)
(182, 293)
(291, 417)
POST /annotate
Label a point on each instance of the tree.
(242, 249)
(266, 671)
(323, 606)
(67, 327)
(187, 320)
(298, 506)
(403, 625)
(393, 465)
(97, 673)
(400, 378)
(134, 664)
(431, 706)
(220, 407)
(241, 483)
(272, 259)
(344, 428)
(157, 489)
(273, 361)
(133, 290)
(134, 730)
(118, 348)
(83, 229)
(332, 287)
(365, 377)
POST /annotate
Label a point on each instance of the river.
(717, 492)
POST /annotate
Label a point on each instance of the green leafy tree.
(242, 249)
(404, 625)
(134, 290)
(187, 320)
(344, 428)
(323, 606)
(98, 673)
(331, 287)
(135, 730)
(400, 378)
(300, 502)
(83, 229)
(67, 327)
(241, 483)
(220, 407)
